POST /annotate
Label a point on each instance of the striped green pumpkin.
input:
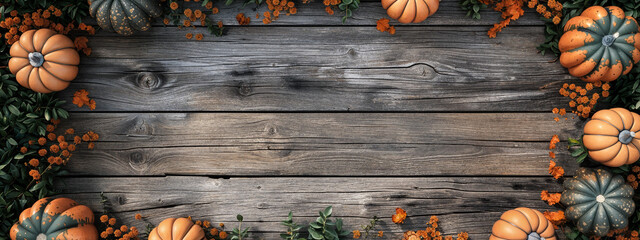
(125, 16)
(601, 44)
(597, 201)
(55, 219)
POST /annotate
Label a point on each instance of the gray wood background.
(307, 112)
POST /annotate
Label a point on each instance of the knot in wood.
(148, 80)
(244, 89)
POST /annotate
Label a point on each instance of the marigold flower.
(51, 136)
(554, 139)
(112, 221)
(199, 36)
(42, 152)
(34, 174)
(555, 171)
(380, 233)
(54, 148)
(356, 234)
(23, 150)
(550, 198)
(138, 216)
(215, 10)
(329, 10)
(124, 228)
(214, 231)
(104, 235)
(221, 224)
(222, 235)
(399, 217)
(34, 162)
(109, 230)
(556, 218)
(209, 5)
(57, 13)
(173, 5)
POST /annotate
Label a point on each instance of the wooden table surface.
(307, 112)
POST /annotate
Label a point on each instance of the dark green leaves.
(293, 229)
(324, 228)
(238, 233)
(472, 7)
(578, 150)
(348, 6)
(625, 91)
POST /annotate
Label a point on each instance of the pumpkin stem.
(609, 39)
(41, 236)
(626, 136)
(534, 236)
(36, 59)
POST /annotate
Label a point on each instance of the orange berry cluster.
(211, 232)
(553, 9)
(120, 233)
(54, 148)
(383, 26)
(192, 16)
(431, 232)
(330, 4)
(583, 99)
(43, 18)
(276, 8)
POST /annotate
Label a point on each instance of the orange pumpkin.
(601, 44)
(407, 11)
(522, 224)
(59, 218)
(177, 229)
(610, 137)
(44, 61)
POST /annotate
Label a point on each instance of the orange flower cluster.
(276, 8)
(583, 99)
(242, 19)
(621, 234)
(512, 10)
(211, 232)
(356, 234)
(399, 217)
(81, 98)
(556, 218)
(550, 198)
(431, 232)
(330, 4)
(54, 148)
(633, 179)
(383, 26)
(120, 233)
(555, 171)
(43, 18)
(191, 16)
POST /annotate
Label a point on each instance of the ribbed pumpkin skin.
(597, 201)
(125, 16)
(55, 219)
(44, 61)
(610, 137)
(177, 229)
(407, 11)
(522, 224)
(584, 44)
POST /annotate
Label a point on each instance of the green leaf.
(13, 109)
(239, 217)
(12, 141)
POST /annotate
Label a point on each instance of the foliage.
(369, 227)
(578, 150)
(625, 91)
(238, 233)
(324, 228)
(24, 116)
(473, 8)
(293, 229)
(72, 10)
(348, 6)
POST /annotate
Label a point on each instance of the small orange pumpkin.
(522, 224)
(610, 137)
(177, 229)
(44, 61)
(60, 218)
(407, 11)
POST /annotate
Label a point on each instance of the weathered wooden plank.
(322, 69)
(449, 13)
(337, 144)
(463, 204)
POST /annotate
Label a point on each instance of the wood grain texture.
(313, 14)
(463, 204)
(322, 69)
(320, 144)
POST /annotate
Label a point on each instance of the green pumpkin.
(597, 201)
(55, 219)
(125, 16)
(601, 44)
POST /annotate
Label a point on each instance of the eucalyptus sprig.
(369, 227)
(324, 228)
(238, 233)
(293, 229)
